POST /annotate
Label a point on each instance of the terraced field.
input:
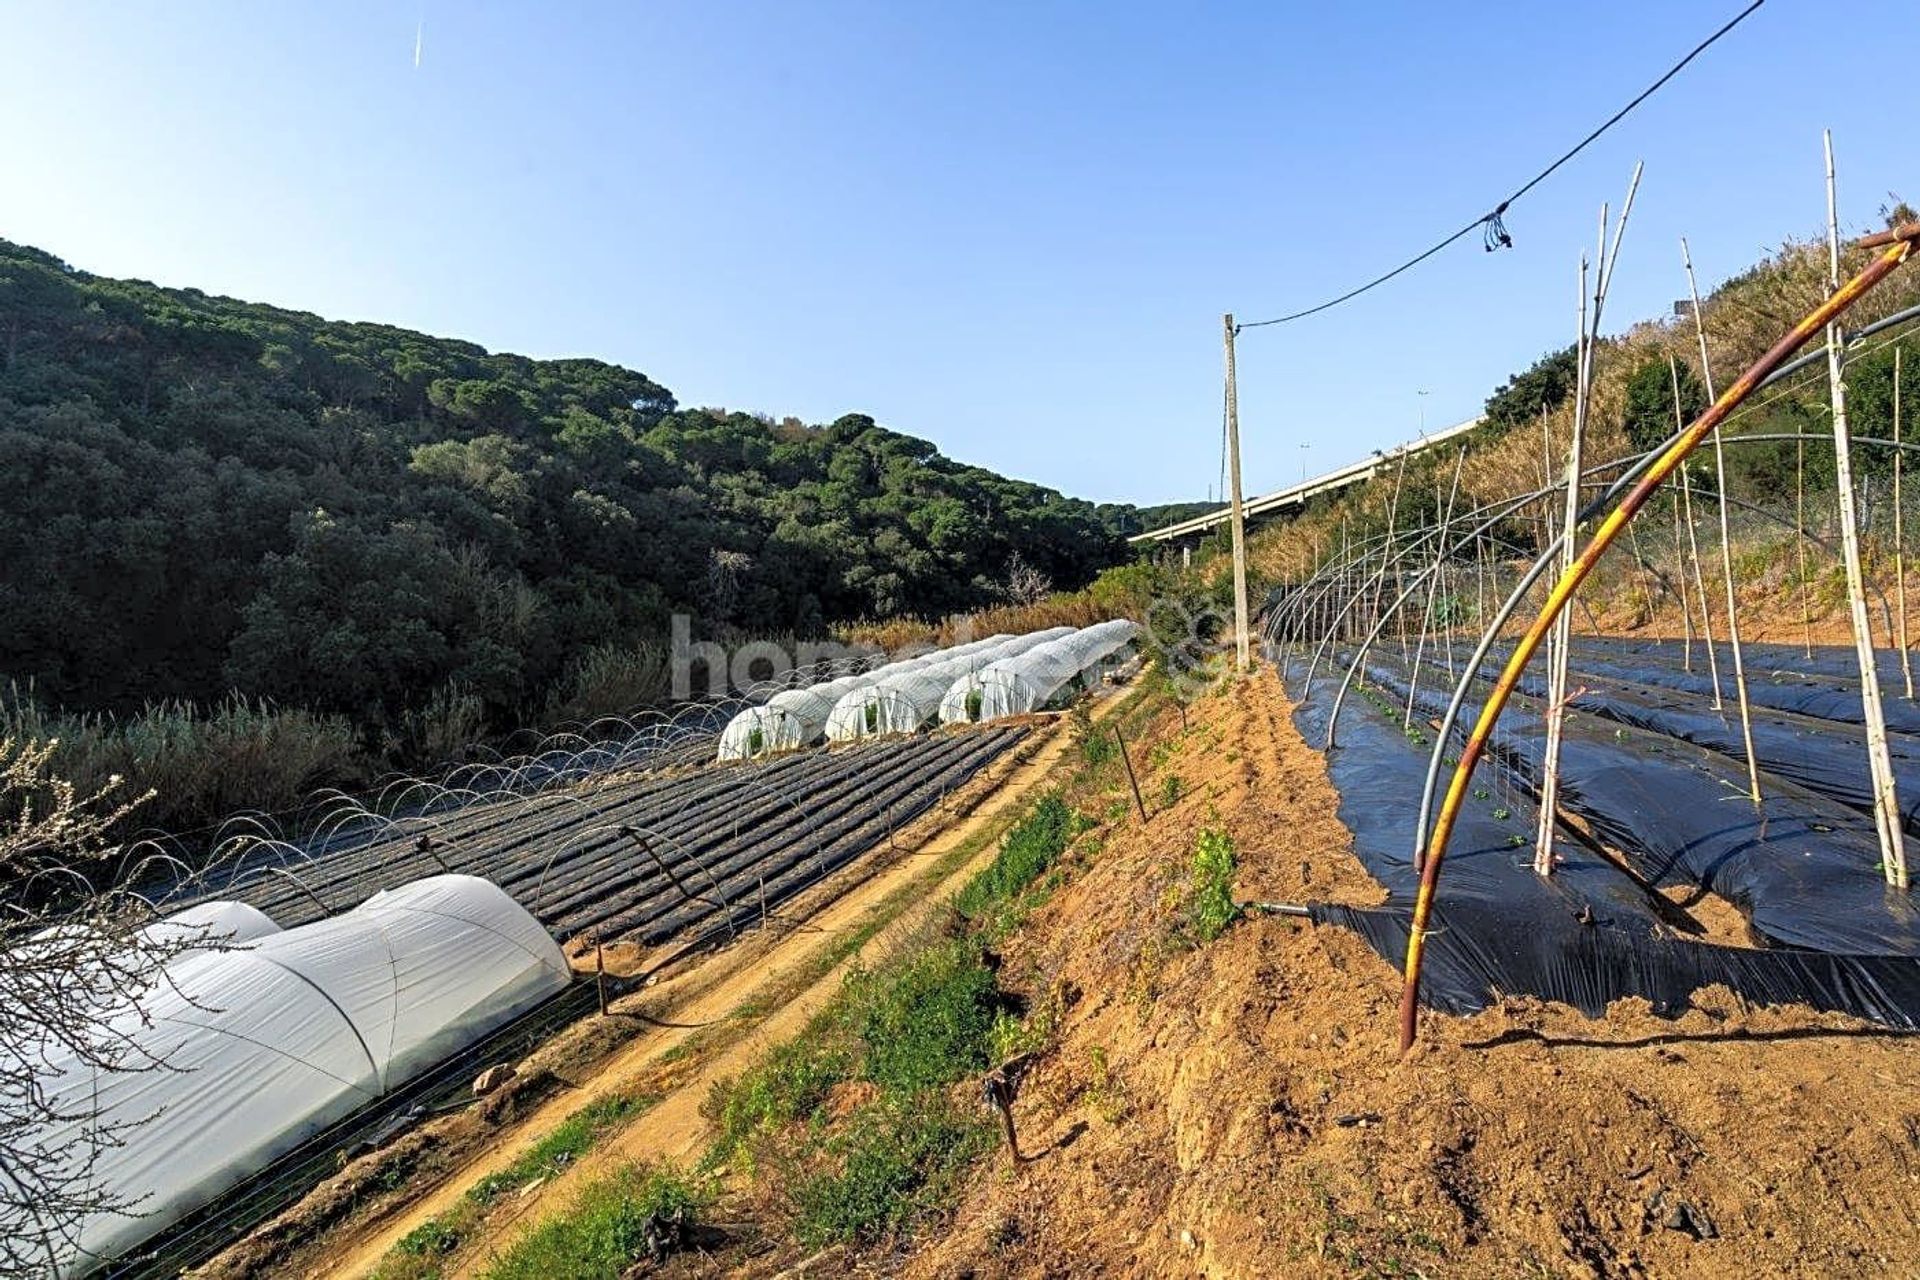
(687, 854)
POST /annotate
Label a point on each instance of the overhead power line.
(1494, 230)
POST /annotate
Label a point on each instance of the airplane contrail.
(419, 36)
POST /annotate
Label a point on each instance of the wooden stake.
(1386, 557)
(1886, 800)
(600, 974)
(1726, 539)
(1240, 638)
(1480, 585)
(1132, 781)
(1646, 578)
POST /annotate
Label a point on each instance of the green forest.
(202, 498)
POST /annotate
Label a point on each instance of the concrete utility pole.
(1240, 637)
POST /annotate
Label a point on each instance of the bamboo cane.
(1899, 535)
(1439, 561)
(1800, 538)
(1693, 543)
(1680, 576)
(1562, 645)
(1835, 305)
(1726, 539)
(1886, 800)
(1559, 639)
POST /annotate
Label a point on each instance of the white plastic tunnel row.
(245, 1047)
(984, 680)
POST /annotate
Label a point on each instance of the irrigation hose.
(1815, 321)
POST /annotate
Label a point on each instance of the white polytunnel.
(210, 926)
(903, 701)
(1029, 681)
(260, 1047)
(793, 718)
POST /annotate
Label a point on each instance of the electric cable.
(1495, 235)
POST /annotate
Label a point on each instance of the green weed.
(899, 1160)
(1026, 852)
(926, 1021)
(617, 1222)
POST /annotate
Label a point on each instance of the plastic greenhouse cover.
(210, 926)
(793, 718)
(257, 1049)
(1586, 936)
(1028, 681)
(901, 702)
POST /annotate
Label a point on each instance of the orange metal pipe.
(1823, 315)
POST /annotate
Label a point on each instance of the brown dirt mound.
(1238, 1109)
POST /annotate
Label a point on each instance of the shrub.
(1096, 748)
(611, 679)
(571, 1139)
(787, 1085)
(202, 763)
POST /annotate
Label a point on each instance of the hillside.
(201, 496)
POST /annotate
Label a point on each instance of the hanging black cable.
(1495, 235)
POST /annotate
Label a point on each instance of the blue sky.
(1008, 228)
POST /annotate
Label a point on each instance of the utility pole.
(1240, 637)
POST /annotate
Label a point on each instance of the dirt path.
(673, 1128)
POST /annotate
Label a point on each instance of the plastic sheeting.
(1802, 868)
(1585, 936)
(1479, 954)
(256, 1049)
(903, 701)
(1791, 683)
(1827, 757)
(793, 718)
(1029, 681)
(210, 926)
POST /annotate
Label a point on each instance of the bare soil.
(1238, 1109)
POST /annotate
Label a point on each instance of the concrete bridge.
(1292, 499)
